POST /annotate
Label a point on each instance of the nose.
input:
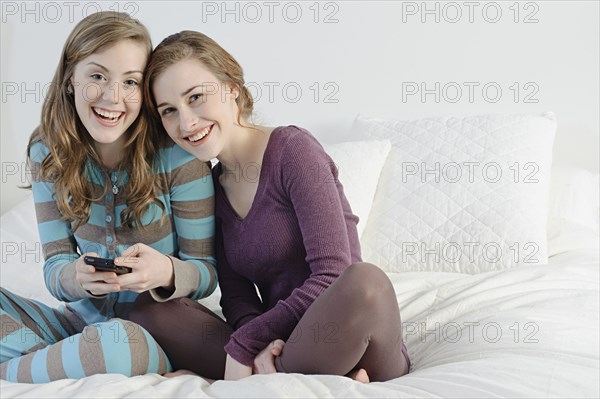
(188, 120)
(112, 93)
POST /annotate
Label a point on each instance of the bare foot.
(360, 375)
(179, 372)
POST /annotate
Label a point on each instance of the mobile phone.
(105, 265)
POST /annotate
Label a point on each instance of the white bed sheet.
(560, 298)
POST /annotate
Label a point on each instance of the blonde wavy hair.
(195, 45)
(71, 146)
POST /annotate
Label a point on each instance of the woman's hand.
(96, 283)
(264, 363)
(150, 269)
(235, 370)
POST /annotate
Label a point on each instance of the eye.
(195, 97)
(96, 76)
(167, 111)
(130, 83)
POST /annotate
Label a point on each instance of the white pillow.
(21, 267)
(574, 210)
(484, 209)
(359, 165)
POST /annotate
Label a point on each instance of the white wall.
(365, 60)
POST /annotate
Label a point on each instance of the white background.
(346, 57)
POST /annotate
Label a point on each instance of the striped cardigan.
(186, 234)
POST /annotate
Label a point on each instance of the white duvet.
(525, 332)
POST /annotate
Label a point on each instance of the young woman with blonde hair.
(284, 228)
(105, 184)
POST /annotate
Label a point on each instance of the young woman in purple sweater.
(284, 229)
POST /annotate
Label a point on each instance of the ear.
(233, 89)
(70, 86)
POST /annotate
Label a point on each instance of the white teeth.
(107, 114)
(200, 135)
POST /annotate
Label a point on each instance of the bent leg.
(39, 322)
(115, 346)
(26, 328)
(192, 336)
(355, 323)
(119, 346)
(17, 340)
(39, 344)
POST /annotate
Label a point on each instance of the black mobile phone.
(105, 265)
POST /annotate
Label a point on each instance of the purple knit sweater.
(298, 237)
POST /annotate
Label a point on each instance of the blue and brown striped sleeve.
(58, 243)
(192, 201)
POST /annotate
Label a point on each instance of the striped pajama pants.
(39, 344)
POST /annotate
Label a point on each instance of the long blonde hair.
(195, 45)
(69, 143)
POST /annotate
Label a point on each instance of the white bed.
(555, 356)
(525, 331)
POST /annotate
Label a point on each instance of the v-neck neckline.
(259, 189)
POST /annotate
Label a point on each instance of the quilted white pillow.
(359, 165)
(462, 195)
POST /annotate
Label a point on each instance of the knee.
(126, 337)
(369, 283)
(114, 331)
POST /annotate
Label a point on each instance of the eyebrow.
(106, 69)
(185, 93)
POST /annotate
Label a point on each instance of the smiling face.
(197, 110)
(107, 96)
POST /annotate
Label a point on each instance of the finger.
(129, 259)
(83, 267)
(107, 277)
(266, 363)
(276, 351)
(128, 280)
(101, 288)
(259, 361)
(277, 347)
(128, 286)
(133, 250)
(127, 262)
(101, 277)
